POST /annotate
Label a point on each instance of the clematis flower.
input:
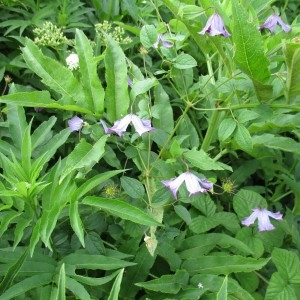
(271, 23)
(193, 184)
(163, 41)
(262, 215)
(215, 26)
(75, 124)
(72, 61)
(120, 126)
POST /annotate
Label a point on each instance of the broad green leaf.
(167, 283)
(84, 155)
(133, 187)
(276, 142)
(244, 201)
(114, 292)
(148, 35)
(61, 283)
(88, 69)
(95, 262)
(142, 86)
(116, 95)
(53, 74)
(75, 222)
(279, 288)
(201, 160)
(183, 213)
(226, 129)
(41, 99)
(249, 53)
(292, 58)
(12, 272)
(220, 264)
(27, 284)
(122, 209)
(242, 138)
(16, 122)
(184, 61)
(77, 289)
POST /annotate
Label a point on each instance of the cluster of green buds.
(116, 32)
(50, 35)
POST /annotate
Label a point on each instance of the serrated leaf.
(88, 70)
(122, 209)
(148, 35)
(53, 74)
(292, 58)
(116, 95)
(142, 86)
(84, 155)
(249, 53)
(133, 187)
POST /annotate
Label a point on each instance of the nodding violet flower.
(75, 124)
(163, 41)
(271, 23)
(120, 126)
(215, 26)
(262, 215)
(193, 184)
(72, 61)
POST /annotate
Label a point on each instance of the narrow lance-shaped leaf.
(75, 222)
(61, 283)
(116, 96)
(122, 209)
(26, 149)
(292, 58)
(53, 74)
(84, 155)
(89, 77)
(114, 293)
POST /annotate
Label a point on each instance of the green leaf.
(6, 219)
(142, 86)
(148, 35)
(75, 222)
(84, 155)
(244, 201)
(16, 122)
(226, 129)
(26, 149)
(183, 213)
(88, 70)
(95, 262)
(243, 138)
(41, 99)
(222, 293)
(184, 61)
(61, 283)
(53, 74)
(201, 160)
(132, 187)
(12, 272)
(292, 58)
(276, 142)
(114, 292)
(122, 209)
(19, 230)
(167, 283)
(27, 284)
(77, 289)
(220, 264)
(249, 53)
(116, 96)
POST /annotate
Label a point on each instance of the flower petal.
(121, 125)
(192, 184)
(141, 126)
(174, 184)
(75, 123)
(251, 219)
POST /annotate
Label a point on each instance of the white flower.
(262, 215)
(72, 61)
(75, 124)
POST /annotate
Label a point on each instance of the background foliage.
(84, 214)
